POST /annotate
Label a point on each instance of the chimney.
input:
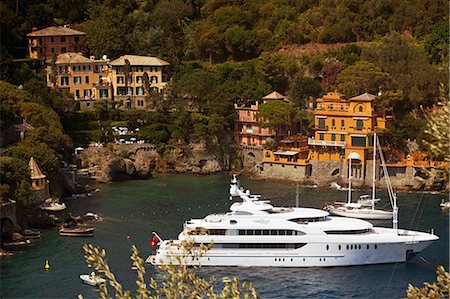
(34, 29)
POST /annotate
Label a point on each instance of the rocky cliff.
(116, 162)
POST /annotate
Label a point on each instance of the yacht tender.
(255, 233)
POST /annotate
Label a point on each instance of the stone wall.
(285, 172)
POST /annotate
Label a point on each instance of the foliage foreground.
(438, 289)
(178, 280)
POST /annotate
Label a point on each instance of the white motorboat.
(54, 206)
(255, 233)
(336, 186)
(92, 279)
(365, 207)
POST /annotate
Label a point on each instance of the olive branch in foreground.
(178, 280)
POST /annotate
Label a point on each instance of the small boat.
(4, 253)
(336, 186)
(364, 208)
(32, 233)
(17, 245)
(79, 231)
(92, 279)
(445, 205)
(54, 206)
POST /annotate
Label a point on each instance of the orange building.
(345, 125)
(133, 93)
(84, 79)
(54, 40)
(248, 130)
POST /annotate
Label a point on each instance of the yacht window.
(273, 232)
(258, 232)
(328, 247)
(306, 220)
(339, 247)
(282, 232)
(375, 246)
(359, 246)
(260, 245)
(367, 246)
(233, 221)
(351, 247)
(243, 213)
(250, 232)
(349, 232)
(289, 232)
(265, 232)
(347, 246)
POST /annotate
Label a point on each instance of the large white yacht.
(255, 233)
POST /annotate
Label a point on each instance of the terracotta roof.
(55, 31)
(365, 97)
(36, 172)
(71, 57)
(275, 96)
(139, 60)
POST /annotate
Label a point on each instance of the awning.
(285, 153)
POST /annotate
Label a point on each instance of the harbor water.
(133, 209)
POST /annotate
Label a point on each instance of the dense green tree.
(277, 114)
(409, 69)
(362, 77)
(15, 180)
(303, 90)
(436, 44)
(42, 153)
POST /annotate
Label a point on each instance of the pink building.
(247, 129)
(54, 40)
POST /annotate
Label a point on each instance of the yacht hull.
(330, 254)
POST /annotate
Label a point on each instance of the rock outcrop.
(117, 162)
(197, 158)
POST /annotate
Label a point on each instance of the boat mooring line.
(415, 213)
(390, 280)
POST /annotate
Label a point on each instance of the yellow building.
(132, 93)
(344, 125)
(84, 79)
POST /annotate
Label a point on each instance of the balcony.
(246, 118)
(101, 84)
(312, 141)
(323, 128)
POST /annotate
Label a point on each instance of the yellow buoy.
(47, 265)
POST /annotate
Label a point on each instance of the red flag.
(154, 241)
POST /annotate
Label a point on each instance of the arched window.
(342, 123)
(360, 108)
(333, 123)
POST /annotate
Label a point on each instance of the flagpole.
(157, 236)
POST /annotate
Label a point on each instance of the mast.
(349, 200)
(392, 195)
(373, 170)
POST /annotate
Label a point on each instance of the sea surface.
(133, 209)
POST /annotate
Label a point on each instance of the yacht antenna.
(373, 170)
(349, 179)
(297, 197)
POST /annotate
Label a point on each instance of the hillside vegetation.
(227, 52)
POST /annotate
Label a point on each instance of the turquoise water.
(136, 208)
